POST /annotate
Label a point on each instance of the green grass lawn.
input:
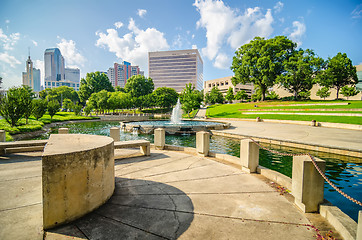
(235, 111)
(35, 125)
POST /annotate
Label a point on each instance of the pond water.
(345, 172)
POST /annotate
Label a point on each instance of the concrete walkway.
(201, 113)
(323, 136)
(174, 195)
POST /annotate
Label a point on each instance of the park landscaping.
(35, 125)
(272, 110)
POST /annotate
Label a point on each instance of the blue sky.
(92, 35)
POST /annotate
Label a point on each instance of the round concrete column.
(115, 134)
(159, 138)
(203, 143)
(63, 130)
(2, 136)
(359, 226)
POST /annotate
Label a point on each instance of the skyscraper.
(120, 73)
(175, 69)
(56, 75)
(72, 74)
(31, 77)
(53, 65)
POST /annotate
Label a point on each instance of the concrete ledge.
(144, 145)
(294, 144)
(275, 176)
(77, 176)
(345, 225)
(22, 146)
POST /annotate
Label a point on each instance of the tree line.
(96, 94)
(266, 62)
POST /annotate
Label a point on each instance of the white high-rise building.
(175, 69)
(72, 74)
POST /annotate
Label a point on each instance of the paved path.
(201, 113)
(334, 137)
(174, 195)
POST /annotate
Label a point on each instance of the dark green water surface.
(344, 172)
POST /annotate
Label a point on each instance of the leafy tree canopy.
(16, 104)
(241, 95)
(323, 92)
(215, 96)
(349, 91)
(230, 94)
(139, 86)
(165, 97)
(260, 61)
(190, 98)
(339, 72)
(93, 83)
(53, 108)
(299, 72)
(59, 94)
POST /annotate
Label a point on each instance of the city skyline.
(94, 35)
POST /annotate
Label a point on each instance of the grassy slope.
(234, 111)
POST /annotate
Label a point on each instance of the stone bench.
(22, 146)
(145, 146)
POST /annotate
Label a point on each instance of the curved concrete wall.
(77, 175)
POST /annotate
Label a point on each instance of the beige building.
(313, 92)
(224, 83)
(175, 69)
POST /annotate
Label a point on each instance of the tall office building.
(72, 74)
(31, 77)
(56, 75)
(175, 69)
(120, 73)
(53, 65)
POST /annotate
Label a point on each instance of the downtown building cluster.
(55, 72)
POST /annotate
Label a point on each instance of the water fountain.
(176, 113)
(175, 125)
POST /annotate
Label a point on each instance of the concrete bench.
(144, 145)
(22, 146)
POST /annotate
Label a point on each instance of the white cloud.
(39, 64)
(177, 42)
(118, 25)
(70, 53)
(8, 59)
(7, 21)
(227, 26)
(194, 46)
(35, 43)
(133, 46)
(278, 7)
(357, 12)
(141, 12)
(8, 41)
(218, 20)
(222, 61)
(299, 30)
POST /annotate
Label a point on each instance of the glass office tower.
(54, 65)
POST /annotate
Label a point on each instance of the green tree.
(88, 109)
(241, 95)
(99, 100)
(138, 86)
(339, 72)
(165, 97)
(349, 91)
(215, 96)
(27, 99)
(230, 94)
(67, 104)
(15, 104)
(93, 83)
(299, 71)
(40, 108)
(323, 92)
(59, 94)
(272, 96)
(261, 61)
(190, 98)
(53, 108)
(77, 109)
